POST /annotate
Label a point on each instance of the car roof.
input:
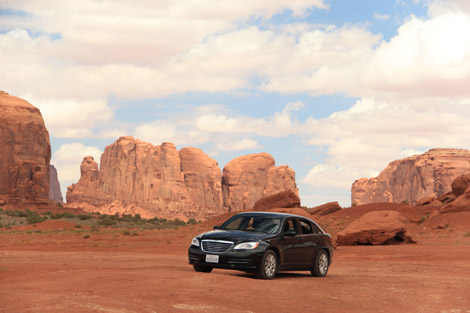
(272, 214)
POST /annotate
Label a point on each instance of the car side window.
(306, 228)
(290, 226)
(316, 229)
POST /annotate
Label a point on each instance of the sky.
(335, 89)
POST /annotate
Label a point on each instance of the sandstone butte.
(25, 152)
(136, 177)
(408, 180)
(249, 178)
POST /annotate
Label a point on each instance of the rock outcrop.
(283, 199)
(54, 186)
(136, 177)
(375, 228)
(413, 178)
(248, 178)
(25, 152)
(326, 208)
(153, 181)
(461, 192)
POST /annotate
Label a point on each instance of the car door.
(288, 244)
(307, 244)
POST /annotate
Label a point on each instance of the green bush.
(107, 221)
(83, 217)
(34, 217)
(192, 221)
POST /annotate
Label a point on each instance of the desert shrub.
(192, 221)
(95, 229)
(126, 232)
(1, 225)
(178, 222)
(106, 221)
(83, 217)
(467, 234)
(86, 236)
(34, 217)
(59, 204)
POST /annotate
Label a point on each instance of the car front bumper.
(243, 260)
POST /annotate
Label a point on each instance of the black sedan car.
(265, 243)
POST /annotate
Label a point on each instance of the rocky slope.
(25, 152)
(408, 180)
(160, 181)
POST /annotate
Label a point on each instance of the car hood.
(234, 235)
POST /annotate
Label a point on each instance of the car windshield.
(262, 224)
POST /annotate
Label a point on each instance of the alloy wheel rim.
(323, 264)
(270, 265)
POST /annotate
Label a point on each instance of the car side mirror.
(216, 227)
(289, 233)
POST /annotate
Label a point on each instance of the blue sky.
(334, 89)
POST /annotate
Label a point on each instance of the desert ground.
(55, 267)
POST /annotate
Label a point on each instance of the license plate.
(212, 258)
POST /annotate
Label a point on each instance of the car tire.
(269, 265)
(203, 269)
(321, 265)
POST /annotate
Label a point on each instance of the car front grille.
(216, 246)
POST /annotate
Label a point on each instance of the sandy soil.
(53, 268)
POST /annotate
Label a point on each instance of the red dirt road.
(432, 276)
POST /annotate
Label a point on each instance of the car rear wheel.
(320, 267)
(268, 267)
(203, 269)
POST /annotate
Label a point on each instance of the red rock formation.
(54, 185)
(413, 178)
(461, 191)
(153, 181)
(460, 184)
(326, 208)
(25, 152)
(249, 178)
(283, 199)
(375, 228)
(296, 211)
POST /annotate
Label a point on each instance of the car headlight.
(195, 242)
(247, 245)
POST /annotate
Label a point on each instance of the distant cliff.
(54, 185)
(408, 180)
(136, 177)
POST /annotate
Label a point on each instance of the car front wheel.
(268, 266)
(320, 267)
(203, 269)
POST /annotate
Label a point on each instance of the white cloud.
(68, 157)
(72, 118)
(175, 131)
(380, 16)
(243, 144)
(427, 57)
